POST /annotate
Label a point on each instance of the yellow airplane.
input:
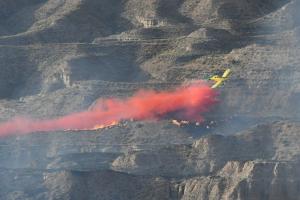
(220, 79)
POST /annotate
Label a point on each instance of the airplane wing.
(217, 84)
(226, 73)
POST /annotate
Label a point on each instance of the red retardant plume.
(189, 101)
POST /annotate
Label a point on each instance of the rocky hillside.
(59, 56)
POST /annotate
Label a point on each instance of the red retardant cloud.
(190, 102)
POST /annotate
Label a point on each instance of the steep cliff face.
(246, 180)
(60, 56)
(260, 163)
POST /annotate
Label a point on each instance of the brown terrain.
(59, 56)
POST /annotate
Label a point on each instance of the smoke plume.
(188, 102)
